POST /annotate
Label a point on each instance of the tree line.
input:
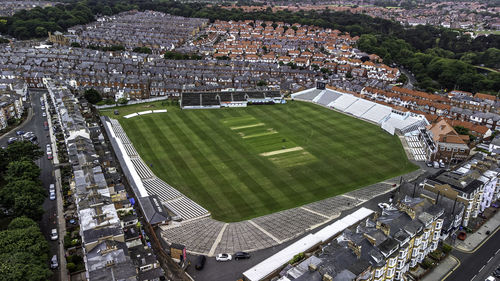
(24, 252)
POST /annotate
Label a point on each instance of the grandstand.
(391, 120)
(360, 107)
(228, 99)
(344, 101)
(145, 180)
(377, 113)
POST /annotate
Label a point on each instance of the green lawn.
(247, 162)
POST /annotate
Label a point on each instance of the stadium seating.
(164, 191)
(308, 95)
(360, 107)
(343, 102)
(377, 113)
(186, 208)
(328, 97)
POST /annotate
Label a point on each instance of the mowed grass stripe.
(305, 176)
(253, 164)
(193, 181)
(215, 158)
(224, 193)
(150, 146)
(261, 166)
(178, 159)
(240, 168)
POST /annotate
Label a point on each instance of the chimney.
(437, 197)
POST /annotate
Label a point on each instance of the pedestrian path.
(445, 268)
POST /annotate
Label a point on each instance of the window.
(448, 149)
(442, 148)
(455, 149)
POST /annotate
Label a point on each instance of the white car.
(52, 195)
(44, 114)
(383, 206)
(53, 235)
(223, 257)
(490, 278)
(52, 188)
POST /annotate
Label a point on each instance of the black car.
(496, 273)
(241, 255)
(200, 262)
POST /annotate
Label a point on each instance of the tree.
(20, 150)
(23, 252)
(75, 45)
(261, 83)
(92, 96)
(22, 170)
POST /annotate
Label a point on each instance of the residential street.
(480, 264)
(35, 125)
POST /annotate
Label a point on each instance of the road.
(49, 219)
(479, 265)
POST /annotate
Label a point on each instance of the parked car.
(441, 165)
(241, 255)
(44, 114)
(490, 278)
(462, 235)
(49, 156)
(53, 262)
(223, 257)
(52, 195)
(200, 262)
(436, 164)
(429, 164)
(11, 140)
(383, 206)
(52, 188)
(19, 133)
(496, 273)
(53, 234)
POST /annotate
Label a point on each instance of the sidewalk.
(477, 238)
(445, 268)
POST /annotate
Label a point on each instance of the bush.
(71, 267)
(427, 263)
(298, 257)
(446, 248)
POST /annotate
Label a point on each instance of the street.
(35, 125)
(479, 265)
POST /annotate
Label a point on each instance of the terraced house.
(383, 247)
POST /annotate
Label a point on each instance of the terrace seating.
(130, 149)
(141, 168)
(328, 97)
(377, 113)
(343, 102)
(309, 94)
(186, 208)
(360, 107)
(164, 191)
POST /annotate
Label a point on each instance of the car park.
(223, 257)
(53, 262)
(53, 234)
(200, 262)
(241, 255)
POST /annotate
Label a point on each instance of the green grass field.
(247, 162)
